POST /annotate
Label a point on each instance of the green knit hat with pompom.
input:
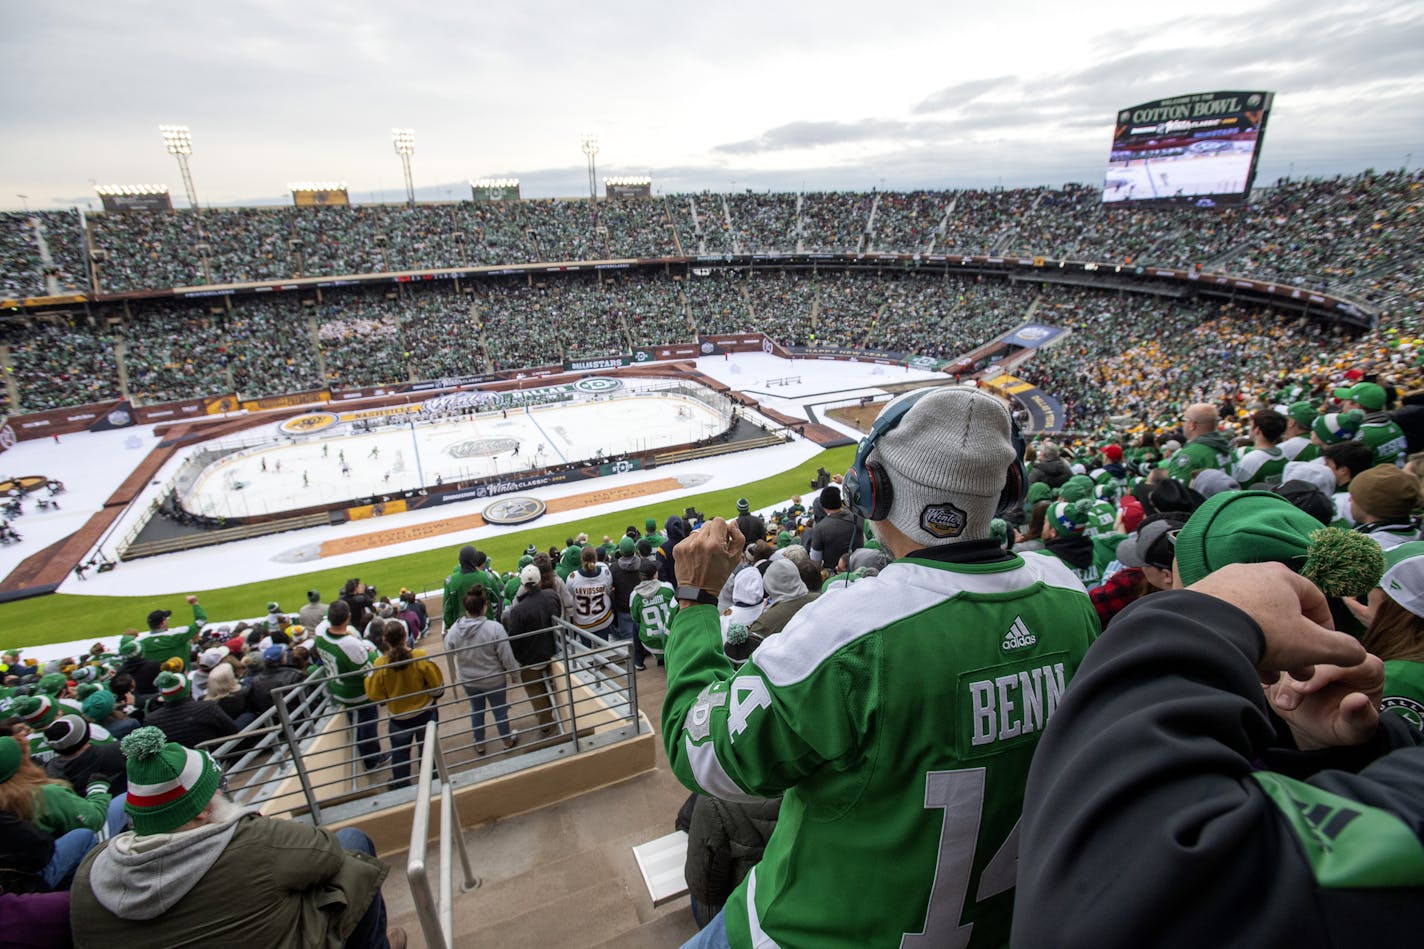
(169, 785)
(1261, 527)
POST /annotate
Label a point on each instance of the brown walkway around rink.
(400, 535)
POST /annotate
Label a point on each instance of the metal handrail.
(596, 677)
(437, 917)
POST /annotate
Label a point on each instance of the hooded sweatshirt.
(676, 532)
(484, 655)
(568, 561)
(466, 575)
(1210, 450)
(299, 888)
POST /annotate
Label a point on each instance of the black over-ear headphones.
(867, 487)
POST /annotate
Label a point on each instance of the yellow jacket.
(399, 686)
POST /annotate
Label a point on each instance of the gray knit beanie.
(947, 461)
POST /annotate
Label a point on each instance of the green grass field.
(63, 617)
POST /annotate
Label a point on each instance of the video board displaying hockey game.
(1198, 149)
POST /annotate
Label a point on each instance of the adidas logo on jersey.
(1018, 636)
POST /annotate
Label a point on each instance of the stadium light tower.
(404, 142)
(178, 141)
(590, 149)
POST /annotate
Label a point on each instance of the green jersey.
(345, 653)
(1204, 451)
(653, 605)
(1258, 465)
(162, 645)
(1385, 438)
(1404, 690)
(898, 718)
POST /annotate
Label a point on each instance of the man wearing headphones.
(897, 716)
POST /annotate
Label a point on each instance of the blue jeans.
(119, 727)
(370, 932)
(628, 629)
(713, 936)
(116, 818)
(368, 737)
(495, 698)
(403, 732)
(69, 851)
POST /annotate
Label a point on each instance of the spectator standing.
(1384, 437)
(347, 659)
(591, 587)
(466, 574)
(624, 570)
(529, 623)
(1300, 420)
(833, 706)
(653, 606)
(752, 526)
(161, 643)
(311, 615)
(409, 685)
(836, 534)
(483, 657)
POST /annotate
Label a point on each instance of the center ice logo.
(598, 384)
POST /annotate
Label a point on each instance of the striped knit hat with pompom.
(37, 710)
(173, 687)
(169, 785)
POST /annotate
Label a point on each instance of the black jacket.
(839, 532)
(725, 841)
(266, 679)
(1167, 806)
(25, 851)
(531, 612)
(105, 759)
(189, 723)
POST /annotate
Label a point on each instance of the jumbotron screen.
(1198, 149)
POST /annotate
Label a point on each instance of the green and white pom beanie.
(169, 785)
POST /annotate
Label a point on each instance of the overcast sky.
(709, 96)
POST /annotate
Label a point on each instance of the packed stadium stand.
(1357, 237)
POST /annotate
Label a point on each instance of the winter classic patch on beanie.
(172, 687)
(947, 461)
(1261, 527)
(169, 785)
(1071, 517)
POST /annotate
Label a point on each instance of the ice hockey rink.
(1156, 178)
(277, 473)
(93, 465)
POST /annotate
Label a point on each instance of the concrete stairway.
(564, 875)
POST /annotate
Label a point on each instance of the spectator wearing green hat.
(752, 526)
(652, 535)
(625, 569)
(1385, 438)
(102, 708)
(1300, 419)
(1261, 527)
(190, 722)
(48, 802)
(1067, 538)
(170, 880)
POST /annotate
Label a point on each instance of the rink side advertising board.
(1195, 150)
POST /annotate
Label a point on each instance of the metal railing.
(311, 757)
(437, 917)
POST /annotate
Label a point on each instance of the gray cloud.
(957, 95)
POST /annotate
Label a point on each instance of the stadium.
(246, 404)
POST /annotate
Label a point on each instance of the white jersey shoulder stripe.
(760, 940)
(711, 776)
(902, 589)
